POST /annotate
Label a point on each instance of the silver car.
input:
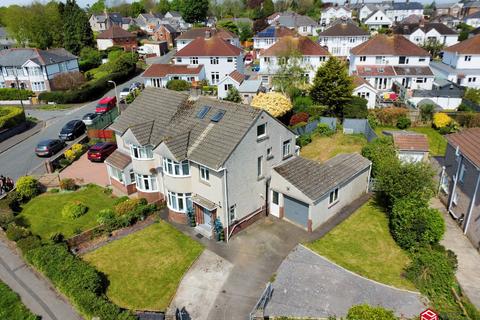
(89, 118)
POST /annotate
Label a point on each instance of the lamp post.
(19, 93)
(116, 96)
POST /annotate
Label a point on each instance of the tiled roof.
(412, 27)
(161, 70)
(472, 4)
(469, 46)
(200, 32)
(160, 115)
(237, 76)
(375, 71)
(358, 81)
(115, 32)
(475, 15)
(249, 86)
(214, 46)
(315, 180)
(406, 6)
(118, 160)
(395, 45)
(343, 29)
(303, 45)
(413, 71)
(468, 140)
(275, 32)
(18, 56)
(410, 142)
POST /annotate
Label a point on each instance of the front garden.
(11, 307)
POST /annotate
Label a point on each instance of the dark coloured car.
(49, 147)
(89, 118)
(72, 130)
(100, 151)
(255, 67)
(137, 85)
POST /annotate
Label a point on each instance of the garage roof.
(316, 179)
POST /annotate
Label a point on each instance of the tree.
(433, 46)
(229, 25)
(195, 10)
(177, 5)
(76, 30)
(98, 7)
(426, 112)
(268, 8)
(381, 152)
(245, 31)
(163, 6)
(464, 31)
(473, 95)
(275, 103)
(356, 108)
(233, 95)
(136, 8)
(332, 86)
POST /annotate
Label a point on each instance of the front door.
(207, 217)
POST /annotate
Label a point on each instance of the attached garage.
(308, 193)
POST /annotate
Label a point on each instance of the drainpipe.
(369, 178)
(227, 218)
(441, 179)
(472, 203)
(454, 186)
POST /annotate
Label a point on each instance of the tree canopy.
(163, 6)
(76, 28)
(195, 10)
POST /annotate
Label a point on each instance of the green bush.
(14, 201)
(372, 120)
(68, 184)
(27, 187)
(381, 152)
(324, 129)
(73, 210)
(89, 58)
(120, 200)
(304, 139)
(302, 103)
(6, 216)
(403, 123)
(105, 216)
(126, 206)
(57, 237)
(29, 243)
(356, 108)
(11, 117)
(426, 112)
(11, 306)
(15, 94)
(16, 232)
(366, 312)
(178, 85)
(413, 223)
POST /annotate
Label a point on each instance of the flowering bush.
(74, 152)
(441, 120)
(274, 103)
(389, 116)
(298, 117)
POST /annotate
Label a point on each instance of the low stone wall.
(8, 133)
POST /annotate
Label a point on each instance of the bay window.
(180, 202)
(174, 168)
(146, 182)
(141, 152)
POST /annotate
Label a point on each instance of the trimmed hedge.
(11, 117)
(78, 280)
(15, 94)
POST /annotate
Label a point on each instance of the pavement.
(309, 286)
(468, 257)
(83, 171)
(12, 141)
(36, 293)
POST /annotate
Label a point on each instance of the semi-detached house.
(270, 35)
(342, 36)
(421, 33)
(207, 32)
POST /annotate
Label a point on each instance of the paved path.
(35, 291)
(83, 171)
(308, 285)
(468, 257)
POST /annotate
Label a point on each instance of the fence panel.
(359, 126)
(331, 121)
(105, 119)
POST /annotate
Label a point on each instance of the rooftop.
(214, 46)
(343, 29)
(201, 32)
(115, 32)
(395, 45)
(468, 46)
(250, 86)
(406, 6)
(468, 141)
(275, 32)
(18, 56)
(162, 70)
(302, 45)
(410, 142)
(412, 27)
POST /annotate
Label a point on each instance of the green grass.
(43, 213)
(363, 244)
(55, 107)
(437, 143)
(11, 307)
(145, 268)
(324, 148)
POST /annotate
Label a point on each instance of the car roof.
(106, 100)
(126, 89)
(46, 142)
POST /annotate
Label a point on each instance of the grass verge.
(11, 307)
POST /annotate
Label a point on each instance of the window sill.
(260, 178)
(287, 156)
(269, 158)
(262, 138)
(332, 204)
(205, 182)
(147, 191)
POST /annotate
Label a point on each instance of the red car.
(100, 151)
(106, 104)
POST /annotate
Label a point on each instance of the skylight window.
(203, 112)
(218, 116)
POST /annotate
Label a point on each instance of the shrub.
(27, 187)
(11, 117)
(68, 184)
(389, 116)
(304, 139)
(324, 129)
(356, 108)
(67, 80)
(14, 200)
(381, 152)
(465, 108)
(5, 218)
(74, 209)
(366, 312)
(29, 243)
(74, 152)
(299, 117)
(426, 112)
(372, 120)
(54, 190)
(302, 103)
(413, 223)
(178, 85)
(15, 94)
(126, 206)
(441, 120)
(57, 237)
(403, 123)
(16, 232)
(120, 200)
(105, 216)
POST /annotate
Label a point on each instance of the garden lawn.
(145, 268)
(11, 307)
(323, 148)
(437, 143)
(363, 244)
(43, 213)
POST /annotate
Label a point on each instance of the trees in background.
(76, 28)
(245, 31)
(229, 25)
(195, 10)
(163, 6)
(433, 46)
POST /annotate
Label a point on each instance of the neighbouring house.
(383, 60)
(474, 32)
(247, 88)
(331, 14)
(411, 147)
(116, 36)
(441, 98)
(364, 89)
(218, 56)
(398, 11)
(461, 63)
(341, 37)
(470, 7)
(149, 22)
(127, 22)
(207, 157)
(35, 69)
(104, 21)
(158, 75)
(460, 181)
(303, 25)
(308, 193)
(451, 9)
(378, 20)
(188, 36)
(267, 37)
(423, 32)
(473, 19)
(165, 32)
(368, 9)
(302, 50)
(449, 21)
(6, 42)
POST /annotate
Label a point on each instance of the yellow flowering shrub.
(70, 155)
(274, 103)
(74, 152)
(441, 120)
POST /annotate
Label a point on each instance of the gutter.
(472, 203)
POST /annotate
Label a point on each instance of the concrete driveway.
(309, 286)
(83, 171)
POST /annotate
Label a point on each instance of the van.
(106, 104)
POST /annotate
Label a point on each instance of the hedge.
(15, 94)
(11, 117)
(76, 279)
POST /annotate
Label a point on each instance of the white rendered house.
(158, 75)
(342, 36)
(422, 33)
(334, 13)
(377, 20)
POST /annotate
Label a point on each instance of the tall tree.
(76, 29)
(195, 10)
(245, 31)
(98, 7)
(177, 5)
(163, 6)
(332, 86)
(229, 25)
(268, 8)
(136, 8)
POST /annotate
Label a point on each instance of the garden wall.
(356, 126)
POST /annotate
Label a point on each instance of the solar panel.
(203, 112)
(218, 116)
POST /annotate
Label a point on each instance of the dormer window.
(141, 152)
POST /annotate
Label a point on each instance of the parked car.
(72, 130)
(124, 93)
(137, 85)
(106, 104)
(89, 118)
(256, 67)
(49, 147)
(100, 151)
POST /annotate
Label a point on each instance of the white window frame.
(116, 174)
(214, 60)
(333, 197)
(232, 213)
(176, 169)
(260, 167)
(141, 152)
(193, 60)
(146, 183)
(461, 175)
(264, 134)
(286, 148)
(179, 202)
(275, 194)
(204, 173)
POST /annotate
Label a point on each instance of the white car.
(89, 118)
(124, 93)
